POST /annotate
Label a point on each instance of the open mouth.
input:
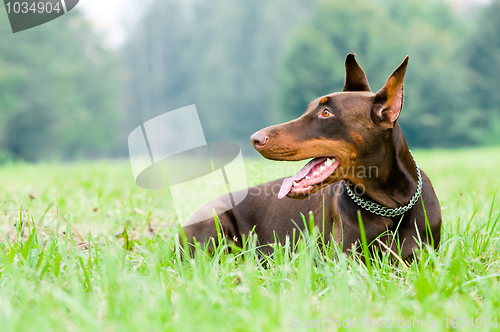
(312, 174)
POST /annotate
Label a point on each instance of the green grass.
(73, 273)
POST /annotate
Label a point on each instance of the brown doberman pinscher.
(361, 162)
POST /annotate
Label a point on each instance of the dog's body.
(357, 131)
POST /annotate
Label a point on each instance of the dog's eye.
(325, 113)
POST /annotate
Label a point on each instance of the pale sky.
(113, 18)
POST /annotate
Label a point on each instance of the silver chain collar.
(382, 210)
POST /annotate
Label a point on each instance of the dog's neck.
(396, 180)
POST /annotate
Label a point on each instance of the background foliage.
(59, 92)
(246, 65)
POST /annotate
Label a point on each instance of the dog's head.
(342, 131)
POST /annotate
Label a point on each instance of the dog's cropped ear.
(355, 78)
(389, 99)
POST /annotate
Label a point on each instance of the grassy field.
(66, 263)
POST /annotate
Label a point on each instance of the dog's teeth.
(322, 168)
(315, 173)
(329, 162)
(308, 177)
(294, 183)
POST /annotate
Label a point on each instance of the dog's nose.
(259, 139)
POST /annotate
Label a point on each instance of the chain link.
(382, 210)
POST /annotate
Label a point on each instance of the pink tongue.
(286, 186)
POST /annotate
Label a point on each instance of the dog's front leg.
(206, 230)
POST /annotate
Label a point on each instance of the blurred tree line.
(452, 76)
(246, 64)
(222, 55)
(59, 92)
